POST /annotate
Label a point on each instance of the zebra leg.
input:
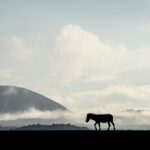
(113, 124)
(99, 126)
(108, 125)
(95, 125)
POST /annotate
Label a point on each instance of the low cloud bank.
(126, 119)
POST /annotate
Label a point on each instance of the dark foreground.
(75, 139)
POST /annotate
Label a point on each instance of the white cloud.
(107, 100)
(6, 74)
(19, 49)
(84, 59)
(49, 117)
(83, 55)
(80, 53)
(31, 113)
(9, 74)
(134, 92)
(101, 78)
(122, 119)
(82, 71)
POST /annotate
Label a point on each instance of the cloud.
(19, 49)
(108, 100)
(101, 72)
(33, 115)
(134, 110)
(122, 119)
(134, 117)
(7, 74)
(84, 71)
(80, 53)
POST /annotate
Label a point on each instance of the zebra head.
(88, 117)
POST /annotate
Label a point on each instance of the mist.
(126, 119)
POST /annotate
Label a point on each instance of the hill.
(16, 99)
(51, 127)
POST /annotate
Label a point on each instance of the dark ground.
(75, 139)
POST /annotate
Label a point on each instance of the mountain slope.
(16, 99)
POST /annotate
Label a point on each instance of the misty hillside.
(52, 127)
(15, 99)
(4, 128)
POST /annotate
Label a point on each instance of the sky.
(85, 54)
